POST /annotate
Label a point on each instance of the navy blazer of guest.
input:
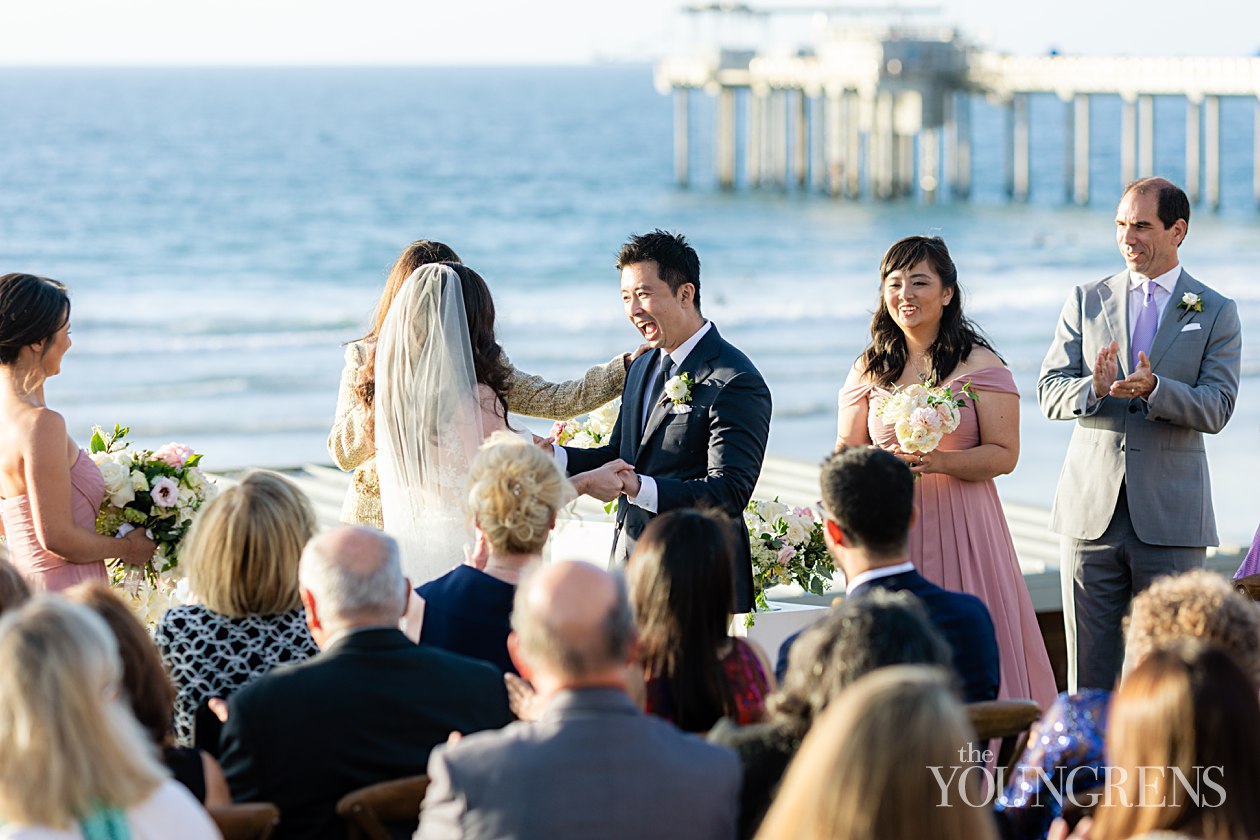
(962, 619)
(367, 709)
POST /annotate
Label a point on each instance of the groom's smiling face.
(664, 318)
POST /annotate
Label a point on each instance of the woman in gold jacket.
(352, 440)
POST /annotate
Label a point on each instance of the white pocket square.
(1192, 326)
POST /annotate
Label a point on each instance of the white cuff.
(647, 498)
(561, 456)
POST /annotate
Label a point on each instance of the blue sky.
(549, 31)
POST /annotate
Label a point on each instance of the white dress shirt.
(875, 574)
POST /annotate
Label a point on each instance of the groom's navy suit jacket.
(963, 620)
(708, 457)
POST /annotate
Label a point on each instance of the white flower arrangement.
(1190, 302)
(590, 433)
(921, 415)
(161, 492)
(787, 547)
(678, 392)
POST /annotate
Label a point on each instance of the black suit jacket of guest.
(962, 619)
(368, 709)
(710, 456)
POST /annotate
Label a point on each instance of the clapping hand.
(1059, 830)
(1140, 383)
(1106, 367)
(546, 444)
(609, 481)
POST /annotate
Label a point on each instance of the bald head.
(354, 578)
(573, 620)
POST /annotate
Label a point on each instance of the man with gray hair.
(593, 765)
(367, 709)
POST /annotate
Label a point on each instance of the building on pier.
(885, 109)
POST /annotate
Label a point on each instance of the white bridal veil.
(428, 421)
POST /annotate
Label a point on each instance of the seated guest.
(242, 558)
(593, 765)
(874, 631)
(680, 588)
(13, 589)
(863, 770)
(868, 506)
(1186, 716)
(150, 694)
(514, 491)
(76, 764)
(367, 709)
(1197, 605)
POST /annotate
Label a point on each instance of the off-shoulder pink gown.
(43, 570)
(961, 542)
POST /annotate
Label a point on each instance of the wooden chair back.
(1008, 720)
(370, 813)
(246, 821)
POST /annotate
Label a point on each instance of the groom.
(695, 413)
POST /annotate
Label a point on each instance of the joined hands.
(609, 481)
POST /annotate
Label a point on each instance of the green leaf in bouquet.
(97, 442)
(193, 461)
(135, 517)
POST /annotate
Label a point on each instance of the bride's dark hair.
(885, 359)
(489, 361)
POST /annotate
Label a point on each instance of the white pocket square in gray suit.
(1190, 327)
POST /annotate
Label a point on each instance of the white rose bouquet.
(921, 414)
(787, 547)
(588, 433)
(161, 492)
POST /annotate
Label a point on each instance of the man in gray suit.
(593, 765)
(1145, 362)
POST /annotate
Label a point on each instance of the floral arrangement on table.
(160, 491)
(590, 432)
(923, 414)
(787, 547)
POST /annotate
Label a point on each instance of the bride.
(441, 389)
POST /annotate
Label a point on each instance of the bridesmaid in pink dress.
(960, 540)
(49, 488)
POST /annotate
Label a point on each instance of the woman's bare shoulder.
(979, 358)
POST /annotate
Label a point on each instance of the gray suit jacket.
(1155, 447)
(592, 766)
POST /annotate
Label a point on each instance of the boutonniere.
(1190, 302)
(678, 392)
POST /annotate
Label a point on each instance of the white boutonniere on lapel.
(678, 393)
(1190, 302)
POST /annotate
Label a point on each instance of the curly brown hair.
(1196, 605)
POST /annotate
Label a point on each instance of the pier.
(885, 111)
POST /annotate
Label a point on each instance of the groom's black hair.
(869, 493)
(677, 262)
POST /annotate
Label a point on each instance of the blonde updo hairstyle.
(514, 491)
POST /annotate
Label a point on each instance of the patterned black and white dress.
(211, 655)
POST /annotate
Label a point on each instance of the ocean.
(224, 231)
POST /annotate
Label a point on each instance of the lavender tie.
(1144, 328)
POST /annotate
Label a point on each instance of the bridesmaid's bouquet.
(787, 547)
(160, 491)
(922, 414)
(590, 432)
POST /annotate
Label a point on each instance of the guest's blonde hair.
(514, 491)
(1198, 605)
(13, 589)
(70, 747)
(862, 772)
(243, 549)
